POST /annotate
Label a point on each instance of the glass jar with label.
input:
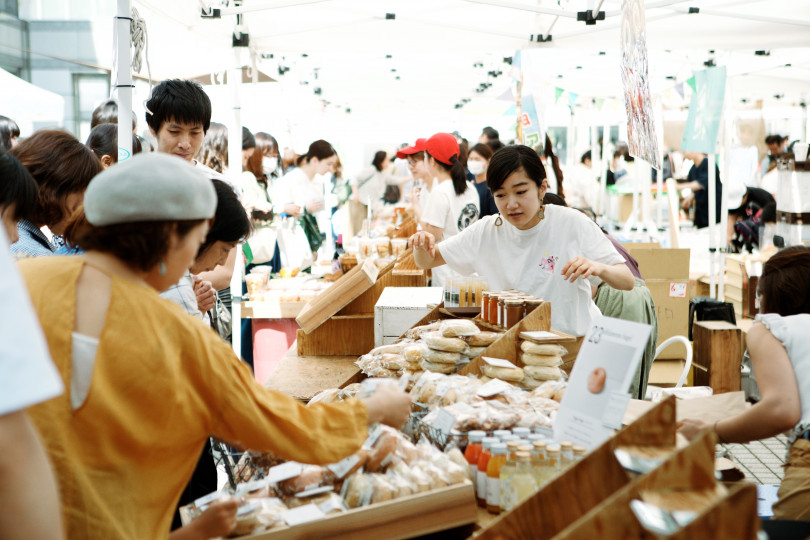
(530, 304)
(493, 307)
(513, 308)
(485, 306)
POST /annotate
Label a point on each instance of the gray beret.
(149, 187)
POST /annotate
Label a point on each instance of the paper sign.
(677, 290)
(498, 362)
(303, 514)
(373, 436)
(247, 487)
(207, 499)
(285, 471)
(444, 421)
(605, 367)
(614, 411)
(342, 467)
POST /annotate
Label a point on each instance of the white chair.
(686, 367)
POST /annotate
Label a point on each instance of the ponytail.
(319, 149)
(555, 165)
(459, 176)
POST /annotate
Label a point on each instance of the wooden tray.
(272, 310)
(417, 515)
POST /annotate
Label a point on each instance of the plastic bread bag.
(357, 490)
(383, 447)
(475, 352)
(425, 387)
(349, 465)
(551, 390)
(455, 455)
(454, 473)
(331, 503)
(381, 489)
(312, 476)
(437, 342)
(330, 395)
(438, 368)
(545, 349)
(255, 489)
(458, 327)
(417, 331)
(394, 348)
(543, 373)
(541, 360)
(482, 339)
(393, 362)
(403, 486)
(349, 391)
(193, 510)
(504, 373)
(415, 352)
(442, 357)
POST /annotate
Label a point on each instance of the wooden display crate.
(340, 321)
(416, 515)
(568, 497)
(272, 310)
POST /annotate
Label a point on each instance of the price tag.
(314, 491)
(373, 436)
(285, 471)
(247, 487)
(303, 514)
(204, 501)
(342, 467)
(332, 504)
(614, 410)
(493, 388)
(248, 508)
(444, 421)
(677, 290)
(498, 362)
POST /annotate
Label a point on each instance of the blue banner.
(705, 111)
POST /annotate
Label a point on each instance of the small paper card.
(493, 388)
(314, 491)
(444, 421)
(247, 487)
(303, 514)
(342, 467)
(332, 504)
(538, 335)
(614, 410)
(285, 471)
(205, 500)
(498, 362)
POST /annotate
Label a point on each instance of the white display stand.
(399, 308)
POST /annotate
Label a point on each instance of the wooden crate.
(340, 321)
(722, 513)
(417, 515)
(718, 355)
(587, 484)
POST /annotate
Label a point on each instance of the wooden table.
(304, 376)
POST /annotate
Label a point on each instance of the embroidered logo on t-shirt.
(547, 262)
(468, 216)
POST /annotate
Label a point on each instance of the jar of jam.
(502, 309)
(485, 306)
(493, 308)
(532, 304)
(513, 309)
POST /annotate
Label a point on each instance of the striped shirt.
(32, 242)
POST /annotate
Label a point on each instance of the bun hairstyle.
(511, 158)
(443, 148)
(379, 160)
(319, 149)
(784, 286)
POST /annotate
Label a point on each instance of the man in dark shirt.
(698, 182)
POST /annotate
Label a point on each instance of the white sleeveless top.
(794, 333)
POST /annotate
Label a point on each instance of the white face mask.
(269, 165)
(476, 167)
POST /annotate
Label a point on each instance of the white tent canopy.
(29, 104)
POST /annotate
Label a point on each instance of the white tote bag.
(293, 245)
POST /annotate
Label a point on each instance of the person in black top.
(698, 182)
(745, 222)
(477, 162)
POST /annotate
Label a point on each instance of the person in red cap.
(454, 203)
(422, 180)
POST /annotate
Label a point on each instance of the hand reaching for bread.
(388, 405)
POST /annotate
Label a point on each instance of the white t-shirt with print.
(450, 212)
(531, 261)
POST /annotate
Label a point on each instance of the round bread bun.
(503, 373)
(438, 342)
(543, 373)
(442, 357)
(482, 339)
(540, 360)
(438, 368)
(545, 349)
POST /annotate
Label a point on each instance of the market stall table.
(304, 376)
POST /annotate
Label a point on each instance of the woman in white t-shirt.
(454, 203)
(779, 346)
(540, 250)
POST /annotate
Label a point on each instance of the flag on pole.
(705, 110)
(557, 93)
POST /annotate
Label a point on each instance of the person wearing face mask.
(551, 252)
(477, 163)
(453, 205)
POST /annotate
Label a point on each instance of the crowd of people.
(123, 270)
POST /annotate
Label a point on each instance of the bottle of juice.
(481, 473)
(579, 452)
(553, 458)
(522, 432)
(566, 454)
(507, 470)
(473, 452)
(538, 461)
(494, 478)
(522, 485)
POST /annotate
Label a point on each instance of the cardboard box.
(666, 373)
(666, 272)
(399, 308)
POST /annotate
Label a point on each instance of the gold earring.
(498, 221)
(542, 213)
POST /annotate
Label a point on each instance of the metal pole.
(596, 163)
(122, 79)
(235, 172)
(712, 227)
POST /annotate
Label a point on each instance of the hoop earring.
(162, 268)
(498, 221)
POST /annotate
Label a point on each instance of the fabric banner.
(532, 132)
(643, 141)
(557, 93)
(705, 110)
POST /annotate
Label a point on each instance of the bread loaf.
(438, 342)
(459, 327)
(540, 360)
(543, 373)
(546, 349)
(482, 339)
(438, 368)
(442, 357)
(503, 373)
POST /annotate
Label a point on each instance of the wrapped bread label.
(498, 362)
(437, 367)
(303, 514)
(342, 467)
(493, 388)
(540, 360)
(373, 436)
(311, 492)
(332, 505)
(438, 342)
(285, 471)
(205, 500)
(247, 487)
(444, 421)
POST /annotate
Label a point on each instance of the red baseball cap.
(442, 147)
(418, 146)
